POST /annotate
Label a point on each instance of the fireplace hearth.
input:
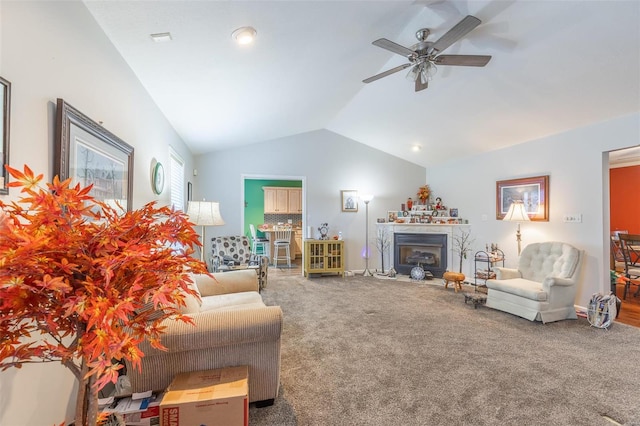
(419, 249)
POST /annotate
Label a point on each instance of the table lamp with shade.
(204, 213)
(517, 213)
(366, 199)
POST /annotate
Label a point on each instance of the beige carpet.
(363, 351)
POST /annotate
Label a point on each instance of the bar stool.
(258, 245)
(282, 240)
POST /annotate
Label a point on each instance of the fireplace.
(426, 250)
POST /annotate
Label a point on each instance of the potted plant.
(83, 284)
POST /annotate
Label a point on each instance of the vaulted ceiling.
(555, 65)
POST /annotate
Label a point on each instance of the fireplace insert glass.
(426, 250)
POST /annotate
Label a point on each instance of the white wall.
(52, 50)
(330, 163)
(578, 184)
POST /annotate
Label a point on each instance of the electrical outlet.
(572, 218)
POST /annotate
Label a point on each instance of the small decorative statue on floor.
(324, 231)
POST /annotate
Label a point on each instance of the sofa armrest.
(218, 329)
(227, 282)
(506, 273)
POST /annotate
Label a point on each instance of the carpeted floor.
(363, 351)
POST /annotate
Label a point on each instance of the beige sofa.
(543, 287)
(233, 327)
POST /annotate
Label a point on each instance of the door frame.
(302, 179)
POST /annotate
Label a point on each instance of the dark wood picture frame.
(5, 92)
(90, 154)
(533, 191)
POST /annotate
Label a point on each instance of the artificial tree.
(462, 242)
(383, 241)
(84, 284)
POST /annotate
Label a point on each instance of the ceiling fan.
(425, 55)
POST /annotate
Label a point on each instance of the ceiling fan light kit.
(424, 55)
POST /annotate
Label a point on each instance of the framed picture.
(532, 191)
(5, 98)
(89, 154)
(392, 216)
(349, 200)
(453, 212)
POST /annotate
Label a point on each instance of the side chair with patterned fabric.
(234, 252)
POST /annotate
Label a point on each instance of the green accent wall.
(254, 200)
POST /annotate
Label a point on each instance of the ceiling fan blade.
(420, 85)
(456, 33)
(394, 47)
(386, 73)
(463, 60)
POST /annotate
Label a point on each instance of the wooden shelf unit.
(323, 257)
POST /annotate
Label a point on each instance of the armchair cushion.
(521, 287)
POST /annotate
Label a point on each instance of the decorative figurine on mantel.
(324, 231)
(423, 194)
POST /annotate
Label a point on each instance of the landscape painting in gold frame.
(532, 191)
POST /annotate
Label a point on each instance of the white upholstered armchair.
(543, 287)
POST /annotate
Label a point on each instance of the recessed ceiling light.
(416, 148)
(161, 37)
(244, 35)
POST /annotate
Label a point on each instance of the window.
(177, 180)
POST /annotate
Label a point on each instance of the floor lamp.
(366, 199)
(517, 213)
(204, 213)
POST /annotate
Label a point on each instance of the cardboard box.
(148, 417)
(209, 398)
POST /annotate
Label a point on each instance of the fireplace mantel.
(423, 228)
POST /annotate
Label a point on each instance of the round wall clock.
(157, 180)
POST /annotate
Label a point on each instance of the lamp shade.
(205, 213)
(516, 213)
(366, 197)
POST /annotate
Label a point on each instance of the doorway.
(253, 208)
(624, 215)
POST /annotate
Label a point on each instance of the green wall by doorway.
(254, 200)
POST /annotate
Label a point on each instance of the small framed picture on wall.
(349, 200)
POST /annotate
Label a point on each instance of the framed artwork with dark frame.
(89, 154)
(5, 97)
(532, 191)
(349, 200)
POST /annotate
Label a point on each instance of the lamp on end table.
(517, 213)
(204, 213)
